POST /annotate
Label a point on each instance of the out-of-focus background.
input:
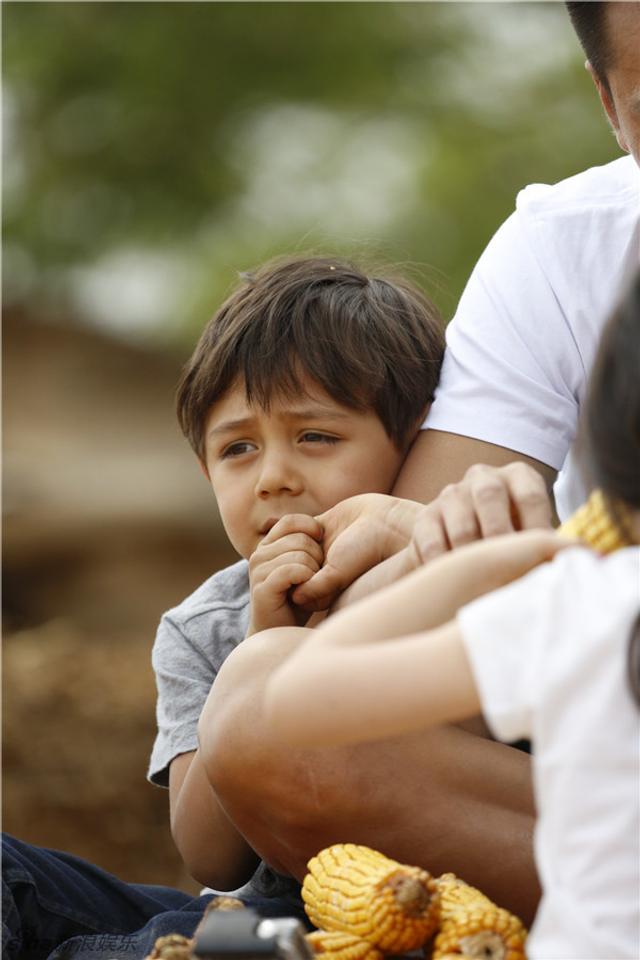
(152, 151)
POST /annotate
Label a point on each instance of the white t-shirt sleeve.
(512, 372)
(534, 643)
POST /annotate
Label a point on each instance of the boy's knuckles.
(295, 523)
(302, 559)
(302, 541)
(287, 576)
(296, 541)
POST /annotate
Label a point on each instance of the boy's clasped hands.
(304, 563)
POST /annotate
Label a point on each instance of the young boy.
(306, 387)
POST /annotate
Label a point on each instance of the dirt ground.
(78, 726)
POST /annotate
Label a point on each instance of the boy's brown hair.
(371, 342)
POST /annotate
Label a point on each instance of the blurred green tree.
(216, 134)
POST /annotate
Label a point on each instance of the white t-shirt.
(549, 656)
(527, 327)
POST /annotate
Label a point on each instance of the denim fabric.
(55, 905)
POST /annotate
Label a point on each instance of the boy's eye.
(237, 449)
(313, 436)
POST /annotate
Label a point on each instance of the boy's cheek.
(242, 540)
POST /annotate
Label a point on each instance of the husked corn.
(361, 892)
(593, 524)
(342, 946)
(471, 925)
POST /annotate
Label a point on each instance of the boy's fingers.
(280, 580)
(319, 592)
(293, 542)
(280, 565)
(294, 523)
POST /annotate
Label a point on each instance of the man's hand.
(289, 555)
(363, 531)
(487, 502)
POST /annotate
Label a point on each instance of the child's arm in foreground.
(395, 664)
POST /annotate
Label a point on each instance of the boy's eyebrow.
(307, 413)
(227, 426)
(326, 413)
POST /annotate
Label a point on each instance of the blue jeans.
(55, 905)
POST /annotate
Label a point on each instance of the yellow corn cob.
(593, 523)
(342, 946)
(359, 891)
(472, 926)
(455, 893)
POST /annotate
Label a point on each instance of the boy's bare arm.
(213, 851)
(445, 799)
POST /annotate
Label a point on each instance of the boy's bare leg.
(445, 799)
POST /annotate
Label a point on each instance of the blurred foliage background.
(152, 151)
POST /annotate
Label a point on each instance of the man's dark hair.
(588, 21)
(371, 342)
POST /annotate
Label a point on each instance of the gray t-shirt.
(192, 642)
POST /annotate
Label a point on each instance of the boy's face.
(303, 456)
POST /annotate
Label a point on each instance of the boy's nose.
(278, 475)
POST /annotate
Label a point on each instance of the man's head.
(610, 36)
(306, 387)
